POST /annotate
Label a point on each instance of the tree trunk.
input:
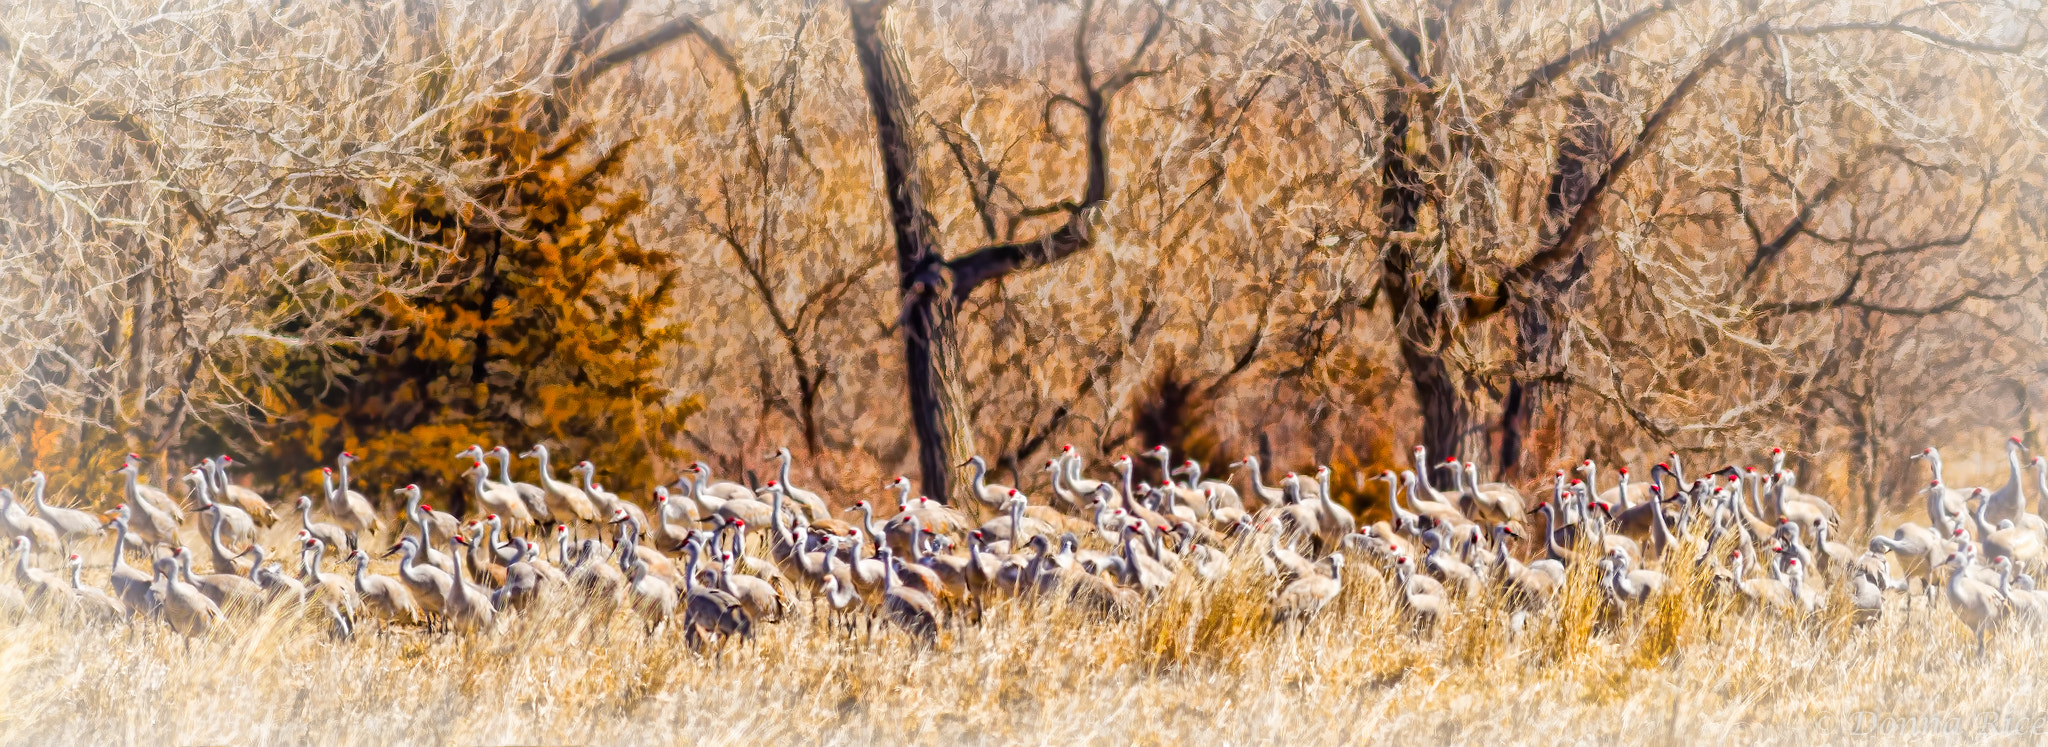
(1417, 307)
(1539, 307)
(930, 349)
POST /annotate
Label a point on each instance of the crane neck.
(120, 543)
(547, 472)
(504, 467)
(980, 473)
(1550, 533)
(213, 537)
(1258, 476)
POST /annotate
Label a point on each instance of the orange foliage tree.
(546, 324)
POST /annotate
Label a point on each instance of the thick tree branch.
(121, 120)
(1588, 214)
(656, 38)
(988, 263)
(1771, 250)
(1377, 34)
(1621, 33)
(1847, 299)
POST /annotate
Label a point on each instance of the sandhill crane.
(1550, 547)
(430, 586)
(811, 502)
(1834, 556)
(497, 500)
(837, 588)
(2028, 606)
(1418, 462)
(17, 523)
(1062, 496)
(1222, 495)
(135, 491)
(383, 597)
(525, 577)
(912, 610)
(1452, 572)
(467, 607)
(249, 501)
(1977, 604)
(752, 511)
(652, 596)
(130, 584)
(1762, 593)
(951, 570)
(1869, 578)
(2004, 540)
(709, 492)
(1640, 585)
(1492, 503)
(1074, 479)
(2009, 502)
(605, 501)
(1292, 514)
(535, 498)
(231, 591)
(236, 525)
(761, 600)
(1013, 526)
(183, 606)
(39, 587)
(1195, 506)
(329, 534)
(90, 602)
(223, 561)
(1337, 520)
(348, 508)
(989, 494)
(1437, 512)
(565, 501)
(1799, 513)
(939, 516)
(1421, 596)
(600, 581)
(1307, 596)
(1140, 571)
(1405, 521)
(433, 526)
(710, 610)
(1792, 493)
(662, 534)
(68, 523)
(1944, 505)
(1920, 553)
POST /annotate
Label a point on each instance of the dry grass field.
(1200, 665)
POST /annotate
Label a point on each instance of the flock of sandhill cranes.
(1106, 546)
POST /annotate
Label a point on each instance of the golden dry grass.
(1199, 666)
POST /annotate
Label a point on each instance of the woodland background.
(1527, 232)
